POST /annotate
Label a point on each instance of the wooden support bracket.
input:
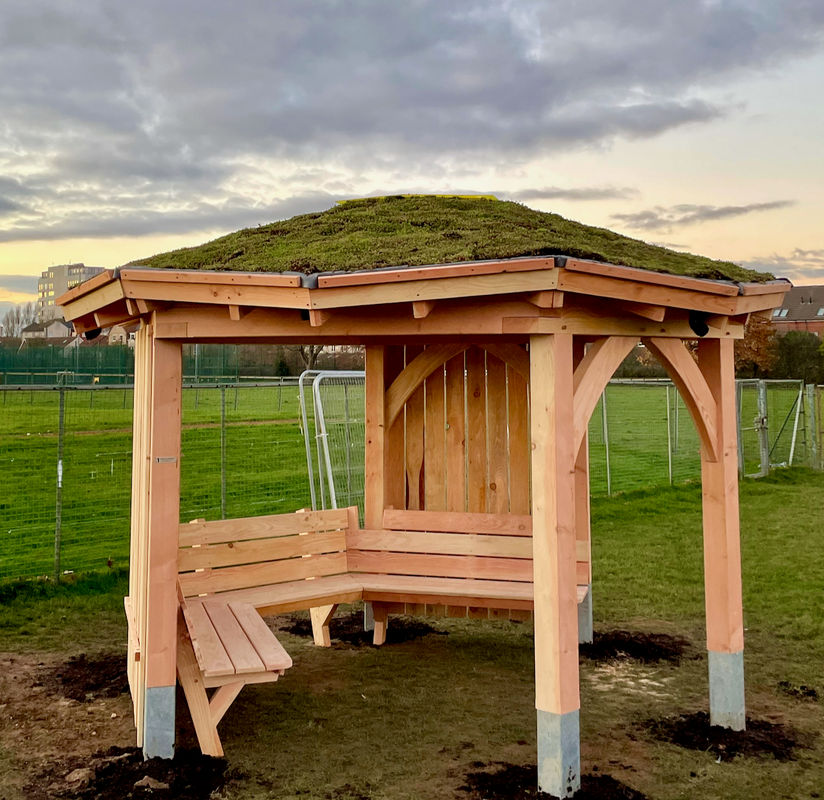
(422, 308)
(321, 616)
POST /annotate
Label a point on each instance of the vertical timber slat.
(519, 453)
(435, 434)
(455, 435)
(414, 440)
(476, 477)
(498, 488)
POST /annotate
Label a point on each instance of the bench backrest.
(445, 544)
(224, 555)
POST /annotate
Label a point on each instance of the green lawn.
(411, 720)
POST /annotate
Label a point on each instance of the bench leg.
(188, 672)
(380, 616)
(321, 616)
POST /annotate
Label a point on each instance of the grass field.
(411, 720)
(264, 470)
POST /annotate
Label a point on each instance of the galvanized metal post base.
(585, 632)
(159, 722)
(559, 753)
(368, 617)
(727, 706)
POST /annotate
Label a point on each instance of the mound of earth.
(83, 678)
(647, 648)
(122, 773)
(348, 629)
(514, 782)
(761, 738)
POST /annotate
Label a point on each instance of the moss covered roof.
(430, 229)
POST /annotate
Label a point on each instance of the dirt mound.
(83, 678)
(122, 773)
(348, 629)
(799, 692)
(761, 738)
(647, 648)
(513, 782)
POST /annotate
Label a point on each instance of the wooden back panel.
(463, 436)
(232, 554)
(450, 545)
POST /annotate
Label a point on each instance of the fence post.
(58, 505)
(811, 426)
(739, 399)
(669, 437)
(223, 452)
(605, 429)
(762, 423)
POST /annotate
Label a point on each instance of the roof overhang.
(511, 297)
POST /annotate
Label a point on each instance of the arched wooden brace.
(591, 376)
(436, 355)
(691, 383)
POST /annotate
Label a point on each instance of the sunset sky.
(133, 128)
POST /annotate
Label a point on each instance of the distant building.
(56, 281)
(802, 310)
(50, 329)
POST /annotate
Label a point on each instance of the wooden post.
(582, 518)
(160, 552)
(722, 545)
(554, 556)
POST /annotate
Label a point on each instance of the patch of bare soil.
(514, 782)
(798, 691)
(122, 773)
(82, 678)
(647, 648)
(347, 629)
(761, 738)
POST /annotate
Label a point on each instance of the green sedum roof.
(429, 229)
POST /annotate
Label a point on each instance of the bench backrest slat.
(234, 530)
(249, 575)
(457, 544)
(457, 522)
(224, 555)
(427, 565)
(231, 554)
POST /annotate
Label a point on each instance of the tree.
(18, 317)
(309, 354)
(756, 353)
(798, 356)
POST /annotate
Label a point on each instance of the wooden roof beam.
(421, 309)
(546, 299)
(645, 310)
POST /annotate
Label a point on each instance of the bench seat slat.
(243, 655)
(296, 595)
(268, 648)
(209, 650)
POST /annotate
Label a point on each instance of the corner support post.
(554, 455)
(722, 543)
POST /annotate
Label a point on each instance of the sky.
(134, 128)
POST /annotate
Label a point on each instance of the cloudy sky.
(131, 128)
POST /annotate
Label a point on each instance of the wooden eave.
(512, 297)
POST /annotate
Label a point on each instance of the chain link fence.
(65, 455)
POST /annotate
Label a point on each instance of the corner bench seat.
(232, 571)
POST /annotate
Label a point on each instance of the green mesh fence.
(65, 456)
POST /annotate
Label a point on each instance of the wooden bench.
(232, 571)
(447, 564)
(222, 646)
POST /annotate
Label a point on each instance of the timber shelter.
(481, 377)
